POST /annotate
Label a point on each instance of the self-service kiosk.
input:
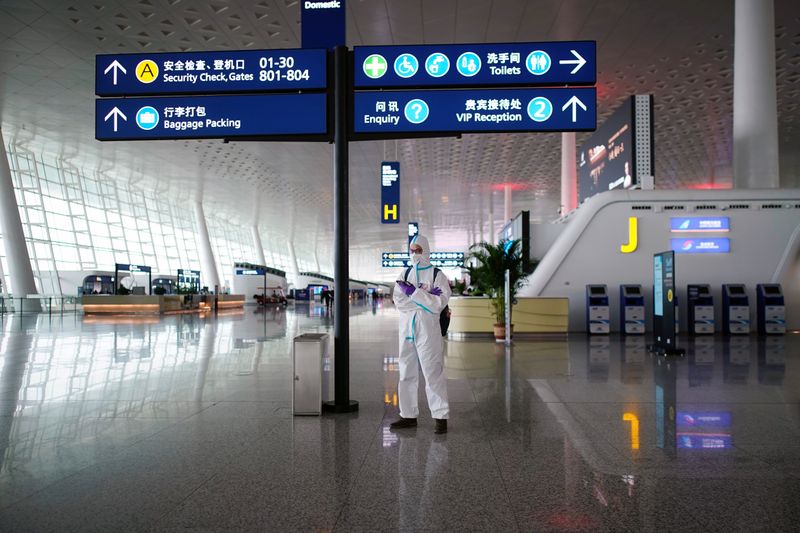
(735, 310)
(598, 313)
(631, 310)
(700, 310)
(770, 309)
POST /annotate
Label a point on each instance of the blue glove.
(436, 291)
(407, 288)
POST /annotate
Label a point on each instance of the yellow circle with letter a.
(146, 71)
(669, 295)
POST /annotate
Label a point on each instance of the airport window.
(75, 221)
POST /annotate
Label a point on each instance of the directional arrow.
(574, 102)
(116, 113)
(115, 66)
(579, 61)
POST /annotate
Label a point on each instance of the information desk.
(475, 316)
(135, 304)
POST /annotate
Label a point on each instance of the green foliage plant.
(489, 275)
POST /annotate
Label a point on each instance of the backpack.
(444, 316)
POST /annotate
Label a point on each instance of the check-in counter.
(475, 316)
(230, 301)
(131, 304)
(135, 304)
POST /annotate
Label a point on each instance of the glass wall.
(76, 221)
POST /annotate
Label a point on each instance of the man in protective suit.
(420, 299)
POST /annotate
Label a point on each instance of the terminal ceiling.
(679, 50)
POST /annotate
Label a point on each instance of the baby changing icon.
(468, 64)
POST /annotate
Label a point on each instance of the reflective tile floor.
(184, 424)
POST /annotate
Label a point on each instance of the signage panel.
(390, 192)
(466, 111)
(664, 300)
(188, 279)
(131, 268)
(322, 24)
(701, 246)
(210, 117)
(699, 224)
(438, 259)
(249, 271)
(210, 72)
(475, 65)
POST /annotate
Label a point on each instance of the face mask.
(423, 259)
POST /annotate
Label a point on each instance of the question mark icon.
(416, 111)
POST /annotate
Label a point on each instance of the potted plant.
(489, 275)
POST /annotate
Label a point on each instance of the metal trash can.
(310, 349)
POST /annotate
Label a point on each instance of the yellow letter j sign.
(633, 235)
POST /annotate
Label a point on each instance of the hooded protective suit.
(421, 336)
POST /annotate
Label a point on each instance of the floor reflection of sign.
(704, 430)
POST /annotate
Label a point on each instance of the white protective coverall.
(421, 336)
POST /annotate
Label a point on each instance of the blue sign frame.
(701, 245)
(474, 111)
(699, 224)
(323, 24)
(438, 259)
(210, 72)
(390, 192)
(211, 117)
(475, 65)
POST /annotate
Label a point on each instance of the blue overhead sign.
(467, 111)
(131, 268)
(699, 224)
(210, 117)
(210, 72)
(438, 259)
(322, 23)
(390, 192)
(249, 271)
(701, 246)
(475, 65)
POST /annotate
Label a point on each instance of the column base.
(332, 407)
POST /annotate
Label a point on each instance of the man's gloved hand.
(436, 291)
(407, 288)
